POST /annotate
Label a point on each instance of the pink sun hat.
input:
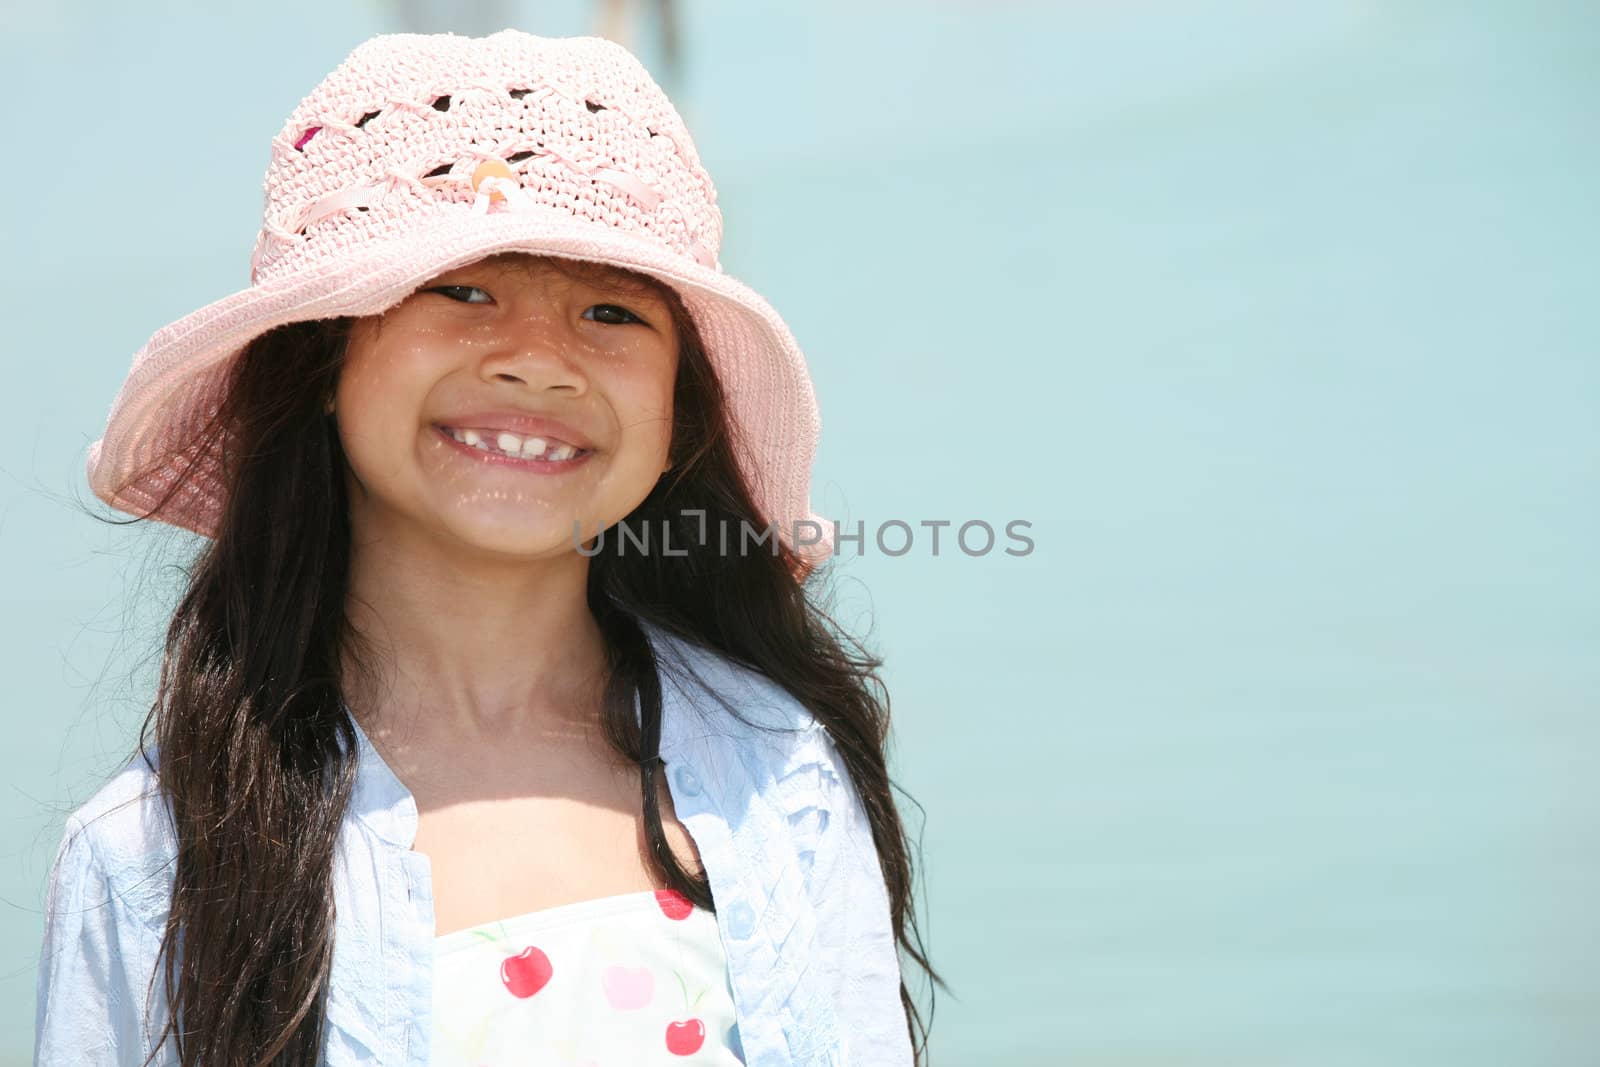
(422, 153)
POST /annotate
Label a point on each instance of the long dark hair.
(256, 753)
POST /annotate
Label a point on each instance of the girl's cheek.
(389, 380)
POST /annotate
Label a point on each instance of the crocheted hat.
(422, 153)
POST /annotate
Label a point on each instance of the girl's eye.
(462, 293)
(613, 315)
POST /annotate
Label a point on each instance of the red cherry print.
(527, 972)
(674, 905)
(685, 1038)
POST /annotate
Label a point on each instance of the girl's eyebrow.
(610, 279)
(627, 290)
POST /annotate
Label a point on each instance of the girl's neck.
(471, 646)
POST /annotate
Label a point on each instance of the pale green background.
(1276, 319)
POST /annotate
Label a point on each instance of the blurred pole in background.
(475, 19)
(638, 25)
(615, 20)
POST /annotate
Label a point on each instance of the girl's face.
(504, 400)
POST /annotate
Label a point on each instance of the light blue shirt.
(801, 904)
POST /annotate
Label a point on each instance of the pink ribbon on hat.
(514, 197)
(510, 195)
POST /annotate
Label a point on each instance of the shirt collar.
(381, 799)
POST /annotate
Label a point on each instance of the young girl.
(497, 723)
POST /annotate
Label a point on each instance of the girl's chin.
(540, 540)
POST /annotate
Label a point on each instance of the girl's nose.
(537, 358)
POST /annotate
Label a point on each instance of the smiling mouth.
(515, 446)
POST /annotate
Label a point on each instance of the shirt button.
(688, 782)
(741, 920)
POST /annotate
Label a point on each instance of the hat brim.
(175, 383)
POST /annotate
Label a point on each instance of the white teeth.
(512, 445)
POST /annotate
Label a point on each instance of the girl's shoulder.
(747, 734)
(706, 693)
(123, 838)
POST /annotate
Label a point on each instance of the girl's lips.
(492, 432)
(531, 464)
(522, 424)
